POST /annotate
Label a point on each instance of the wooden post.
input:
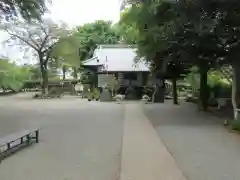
(37, 136)
(8, 146)
(28, 138)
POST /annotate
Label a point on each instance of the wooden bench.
(11, 143)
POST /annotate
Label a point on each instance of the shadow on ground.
(201, 146)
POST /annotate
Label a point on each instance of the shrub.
(90, 96)
(235, 125)
(39, 96)
(96, 93)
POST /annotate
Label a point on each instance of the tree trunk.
(75, 75)
(45, 81)
(64, 72)
(203, 87)
(236, 89)
(174, 90)
(44, 74)
(44, 71)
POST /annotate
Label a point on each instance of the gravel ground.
(79, 139)
(202, 147)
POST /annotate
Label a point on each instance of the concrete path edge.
(144, 157)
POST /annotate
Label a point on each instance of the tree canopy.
(39, 38)
(92, 34)
(181, 34)
(13, 76)
(30, 9)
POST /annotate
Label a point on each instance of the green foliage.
(66, 53)
(193, 80)
(13, 76)
(215, 77)
(30, 9)
(154, 24)
(86, 87)
(176, 35)
(69, 52)
(126, 29)
(91, 34)
(35, 72)
(40, 38)
(184, 33)
(90, 95)
(87, 77)
(235, 125)
(127, 33)
(96, 93)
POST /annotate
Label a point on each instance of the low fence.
(35, 86)
(6, 93)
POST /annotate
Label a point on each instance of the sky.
(72, 12)
(77, 12)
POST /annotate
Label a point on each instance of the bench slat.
(13, 137)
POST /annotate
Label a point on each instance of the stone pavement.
(144, 157)
(80, 140)
(84, 140)
(109, 141)
(202, 148)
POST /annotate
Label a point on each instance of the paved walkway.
(202, 148)
(144, 157)
(80, 140)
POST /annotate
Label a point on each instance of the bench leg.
(8, 146)
(28, 138)
(21, 140)
(37, 136)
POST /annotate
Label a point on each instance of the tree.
(155, 24)
(127, 32)
(66, 55)
(35, 71)
(226, 29)
(12, 76)
(206, 33)
(92, 34)
(30, 9)
(40, 39)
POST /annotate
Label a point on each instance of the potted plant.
(90, 96)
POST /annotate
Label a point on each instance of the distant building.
(118, 61)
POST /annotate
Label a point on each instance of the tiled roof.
(117, 57)
(92, 62)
